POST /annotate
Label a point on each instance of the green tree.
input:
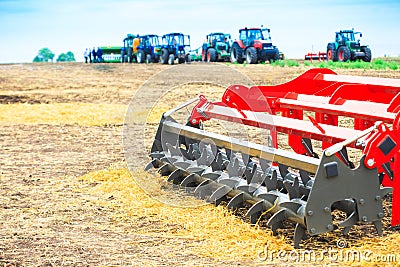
(44, 55)
(66, 57)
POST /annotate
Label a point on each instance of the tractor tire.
(130, 55)
(164, 56)
(331, 52)
(148, 59)
(343, 54)
(368, 55)
(251, 55)
(276, 57)
(211, 55)
(353, 56)
(188, 59)
(237, 54)
(140, 56)
(171, 59)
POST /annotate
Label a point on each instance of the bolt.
(364, 218)
(362, 201)
(310, 213)
(370, 162)
(329, 227)
(378, 198)
(380, 215)
(327, 209)
(194, 121)
(313, 231)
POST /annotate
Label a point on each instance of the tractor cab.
(349, 38)
(255, 35)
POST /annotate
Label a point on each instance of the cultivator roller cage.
(298, 186)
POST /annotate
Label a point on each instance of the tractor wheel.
(276, 56)
(164, 56)
(237, 54)
(251, 55)
(140, 56)
(171, 59)
(331, 53)
(353, 56)
(343, 54)
(211, 55)
(188, 59)
(148, 59)
(368, 55)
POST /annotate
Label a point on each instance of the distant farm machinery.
(300, 187)
(175, 46)
(346, 47)
(253, 46)
(217, 47)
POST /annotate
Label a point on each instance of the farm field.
(68, 198)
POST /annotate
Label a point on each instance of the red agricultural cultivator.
(296, 186)
(320, 56)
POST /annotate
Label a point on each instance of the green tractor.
(127, 53)
(347, 47)
(217, 47)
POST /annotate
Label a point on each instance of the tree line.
(45, 55)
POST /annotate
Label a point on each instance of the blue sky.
(296, 26)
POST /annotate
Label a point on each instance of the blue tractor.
(175, 46)
(149, 49)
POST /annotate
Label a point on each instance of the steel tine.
(271, 182)
(165, 169)
(349, 222)
(264, 164)
(212, 175)
(237, 201)
(378, 227)
(194, 151)
(250, 170)
(258, 177)
(189, 181)
(155, 163)
(293, 206)
(255, 211)
(245, 158)
(271, 198)
(276, 221)
(292, 189)
(202, 160)
(182, 164)
(219, 194)
(231, 182)
(283, 170)
(299, 235)
(197, 169)
(305, 178)
(177, 176)
(203, 189)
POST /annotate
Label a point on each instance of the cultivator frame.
(294, 186)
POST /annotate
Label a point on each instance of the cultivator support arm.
(300, 187)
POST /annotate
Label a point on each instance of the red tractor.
(254, 45)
